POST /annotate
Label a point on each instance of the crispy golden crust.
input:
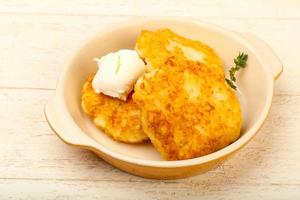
(156, 47)
(118, 119)
(187, 110)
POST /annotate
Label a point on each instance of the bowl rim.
(238, 144)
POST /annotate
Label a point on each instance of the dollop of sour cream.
(117, 73)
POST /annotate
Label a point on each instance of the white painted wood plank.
(188, 8)
(30, 150)
(34, 48)
(55, 189)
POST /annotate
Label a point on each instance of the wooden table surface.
(36, 38)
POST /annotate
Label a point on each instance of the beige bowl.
(255, 83)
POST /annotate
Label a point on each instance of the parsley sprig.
(240, 62)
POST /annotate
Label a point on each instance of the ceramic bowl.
(255, 84)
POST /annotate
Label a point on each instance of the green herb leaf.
(240, 62)
(232, 73)
(230, 83)
(118, 64)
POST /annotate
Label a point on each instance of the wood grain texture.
(36, 38)
(158, 190)
(209, 8)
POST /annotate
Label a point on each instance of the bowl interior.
(251, 81)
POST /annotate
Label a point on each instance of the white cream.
(117, 73)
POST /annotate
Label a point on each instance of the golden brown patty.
(117, 118)
(187, 110)
(156, 47)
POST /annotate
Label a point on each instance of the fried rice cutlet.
(118, 119)
(156, 47)
(187, 110)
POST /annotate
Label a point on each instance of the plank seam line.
(126, 15)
